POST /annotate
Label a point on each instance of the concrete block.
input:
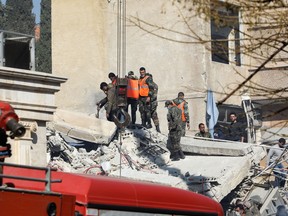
(84, 127)
(214, 147)
(222, 173)
(152, 178)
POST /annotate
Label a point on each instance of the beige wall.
(84, 51)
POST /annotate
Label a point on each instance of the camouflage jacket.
(111, 99)
(178, 101)
(205, 134)
(150, 83)
(174, 118)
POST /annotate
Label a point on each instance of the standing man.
(236, 131)
(132, 95)
(154, 105)
(183, 105)
(174, 127)
(145, 93)
(275, 156)
(202, 132)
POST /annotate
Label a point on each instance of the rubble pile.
(215, 168)
(138, 154)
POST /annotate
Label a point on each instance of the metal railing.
(47, 180)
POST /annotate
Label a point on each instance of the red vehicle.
(102, 195)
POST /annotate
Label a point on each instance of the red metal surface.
(114, 191)
(34, 204)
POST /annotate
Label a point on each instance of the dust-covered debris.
(136, 149)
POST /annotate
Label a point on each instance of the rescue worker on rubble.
(183, 105)
(132, 95)
(154, 105)
(145, 93)
(111, 105)
(175, 130)
(274, 156)
(102, 102)
(202, 132)
(113, 78)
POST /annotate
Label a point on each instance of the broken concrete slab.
(214, 177)
(163, 179)
(207, 146)
(84, 127)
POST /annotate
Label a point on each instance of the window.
(225, 44)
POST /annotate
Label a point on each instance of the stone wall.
(32, 95)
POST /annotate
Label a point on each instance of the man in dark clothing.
(174, 127)
(236, 131)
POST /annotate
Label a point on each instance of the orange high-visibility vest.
(133, 89)
(143, 87)
(114, 81)
(181, 106)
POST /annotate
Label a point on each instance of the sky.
(36, 9)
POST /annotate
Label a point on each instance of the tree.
(259, 31)
(20, 17)
(43, 45)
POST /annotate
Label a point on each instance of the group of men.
(143, 92)
(140, 92)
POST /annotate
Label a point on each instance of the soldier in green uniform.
(175, 130)
(202, 132)
(154, 105)
(145, 93)
(183, 105)
(111, 102)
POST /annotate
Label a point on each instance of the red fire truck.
(28, 191)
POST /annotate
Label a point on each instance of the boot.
(158, 129)
(175, 156)
(149, 126)
(143, 123)
(181, 154)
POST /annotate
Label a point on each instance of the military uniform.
(111, 106)
(205, 134)
(175, 130)
(133, 102)
(144, 107)
(184, 114)
(154, 105)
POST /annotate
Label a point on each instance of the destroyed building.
(141, 154)
(190, 67)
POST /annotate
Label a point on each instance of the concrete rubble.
(213, 168)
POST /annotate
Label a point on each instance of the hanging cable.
(124, 39)
(119, 14)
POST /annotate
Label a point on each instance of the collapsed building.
(141, 154)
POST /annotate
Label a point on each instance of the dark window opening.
(225, 37)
